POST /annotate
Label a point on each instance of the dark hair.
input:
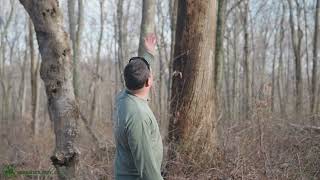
(136, 73)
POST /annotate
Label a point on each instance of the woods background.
(236, 89)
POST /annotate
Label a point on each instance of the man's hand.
(150, 43)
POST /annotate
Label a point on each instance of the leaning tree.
(56, 73)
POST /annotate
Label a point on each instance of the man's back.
(139, 147)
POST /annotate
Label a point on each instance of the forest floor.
(259, 149)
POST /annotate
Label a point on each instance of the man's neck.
(141, 93)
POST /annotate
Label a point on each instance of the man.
(138, 142)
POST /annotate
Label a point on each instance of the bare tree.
(222, 8)
(56, 73)
(246, 63)
(34, 69)
(296, 38)
(75, 29)
(22, 87)
(96, 77)
(280, 78)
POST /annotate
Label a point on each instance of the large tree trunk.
(192, 121)
(147, 22)
(315, 59)
(56, 73)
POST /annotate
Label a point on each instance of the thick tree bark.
(56, 73)
(193, 123)
(147, 22)
(314, 83)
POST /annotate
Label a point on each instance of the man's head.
(137, 75)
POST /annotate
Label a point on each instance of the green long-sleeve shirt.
(139, 147)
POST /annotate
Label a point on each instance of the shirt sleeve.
(138, 133)
(149, 57)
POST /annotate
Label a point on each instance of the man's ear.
(148, 82)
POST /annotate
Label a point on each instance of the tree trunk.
(75, 36)
(56, 73)
(306, 43)
(315, 59)
(34, 69)
(173, 10)
(22, 88)
(234, 70)
(147, 22)
(280, 68)
(246, 67)
(120, 40)
(273, 73)
(296, 37)
(97, 71)
(222, 7)
(192, 122)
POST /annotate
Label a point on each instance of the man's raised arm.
(150, 44)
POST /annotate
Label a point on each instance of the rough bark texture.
(56, 73)
(147, 22)
(193, 122)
